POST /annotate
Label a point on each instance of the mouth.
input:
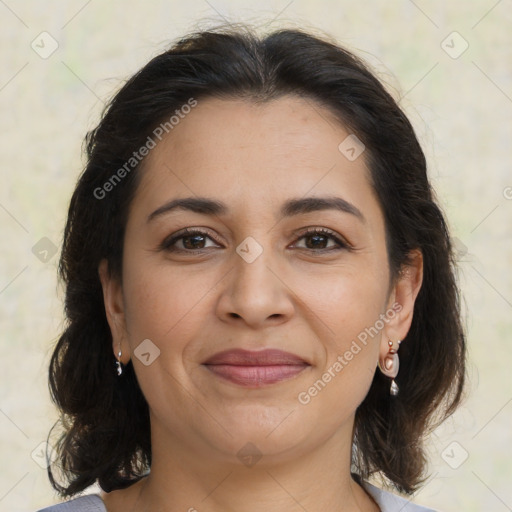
(255, 368)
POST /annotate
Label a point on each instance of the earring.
(119, 367)
(391, 366)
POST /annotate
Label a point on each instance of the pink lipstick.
(255, 368)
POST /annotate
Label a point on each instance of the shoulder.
(88, 503)
(389, 502)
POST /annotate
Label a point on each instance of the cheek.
(348, 305)
(350, 309)
(161, 302)
(166, 306)
(346, 300)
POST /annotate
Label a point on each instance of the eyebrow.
(289, 208)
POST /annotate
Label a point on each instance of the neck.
(183, 478)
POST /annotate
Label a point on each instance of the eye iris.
(193, 245)
(316, 237)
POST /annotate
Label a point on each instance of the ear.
(114, 310)
(401, 301)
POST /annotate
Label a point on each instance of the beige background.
(461, 108)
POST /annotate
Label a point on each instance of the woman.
(251, 255)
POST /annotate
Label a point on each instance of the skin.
(313, 303)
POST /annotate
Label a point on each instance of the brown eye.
(318, 240)
(189, 240)
(194, 240)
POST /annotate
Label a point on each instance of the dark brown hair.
(105, 435)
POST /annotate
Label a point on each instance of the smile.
(255, 369)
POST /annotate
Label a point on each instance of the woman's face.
(255, 279)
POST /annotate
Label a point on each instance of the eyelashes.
(169, 243)
(188, 238)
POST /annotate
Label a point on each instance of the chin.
(268, 431)
(249, 448)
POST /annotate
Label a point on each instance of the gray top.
(88, 503)
(387, 502)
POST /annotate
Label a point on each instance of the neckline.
(380, 496)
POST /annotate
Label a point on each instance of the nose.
(255, 293)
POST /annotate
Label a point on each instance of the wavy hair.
(104, 431)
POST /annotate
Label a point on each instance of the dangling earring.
(119, 367)
(391, 366)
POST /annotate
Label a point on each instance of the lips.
(255, 368)
(240, 357)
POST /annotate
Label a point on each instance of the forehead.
(254, 155)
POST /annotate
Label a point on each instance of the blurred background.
(448, 63)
